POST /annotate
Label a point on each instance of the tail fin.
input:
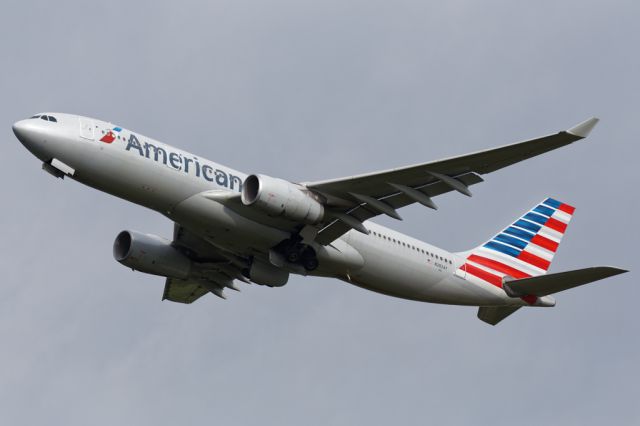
(522, 250)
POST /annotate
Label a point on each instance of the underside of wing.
(351, 200)
(196, 247)
(212, 270)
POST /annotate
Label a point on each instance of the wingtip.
(583, 129)
(615, 270)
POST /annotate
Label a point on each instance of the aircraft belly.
(339, 259)
(223, 227)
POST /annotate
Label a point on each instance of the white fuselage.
(170, 181)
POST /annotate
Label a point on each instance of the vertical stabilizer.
(524, 249)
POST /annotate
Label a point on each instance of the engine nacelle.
(150, 254)
(278, 197)
(267, 274)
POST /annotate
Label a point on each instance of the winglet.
(583, 129)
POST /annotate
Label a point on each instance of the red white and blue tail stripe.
(522, 250)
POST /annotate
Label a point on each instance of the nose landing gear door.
(86, 129)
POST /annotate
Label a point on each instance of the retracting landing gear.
(296, 252)
(309, 259)
(293, 255)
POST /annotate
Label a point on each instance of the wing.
(352, 200)
(214, 270)
(196, 247)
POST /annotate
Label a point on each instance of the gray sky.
(309, 90)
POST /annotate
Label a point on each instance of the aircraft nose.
(30, 135)
(20, 129)
(27, 132)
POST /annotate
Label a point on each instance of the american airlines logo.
(186, 164)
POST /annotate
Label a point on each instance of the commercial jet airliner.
(259, 229)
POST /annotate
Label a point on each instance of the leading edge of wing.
(538, 145)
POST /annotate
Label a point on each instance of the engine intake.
(150, 254)
(278, 197)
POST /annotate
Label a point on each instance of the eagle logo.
(110, 136)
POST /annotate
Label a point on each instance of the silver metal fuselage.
(171, 181)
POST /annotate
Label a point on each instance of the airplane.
(229, 226)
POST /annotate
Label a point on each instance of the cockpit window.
(46, 118)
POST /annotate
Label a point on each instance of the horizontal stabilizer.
(494, 314)
(553, 283)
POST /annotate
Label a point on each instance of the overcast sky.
(308, 90)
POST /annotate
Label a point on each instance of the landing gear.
(293, 256)
(296, 252)
(310, 264)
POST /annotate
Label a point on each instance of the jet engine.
(151, 254)
(278, 197)
(267, 274)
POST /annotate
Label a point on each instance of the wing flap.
(183, 291)
(215, 269)
(553, 283)
(396, 199)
